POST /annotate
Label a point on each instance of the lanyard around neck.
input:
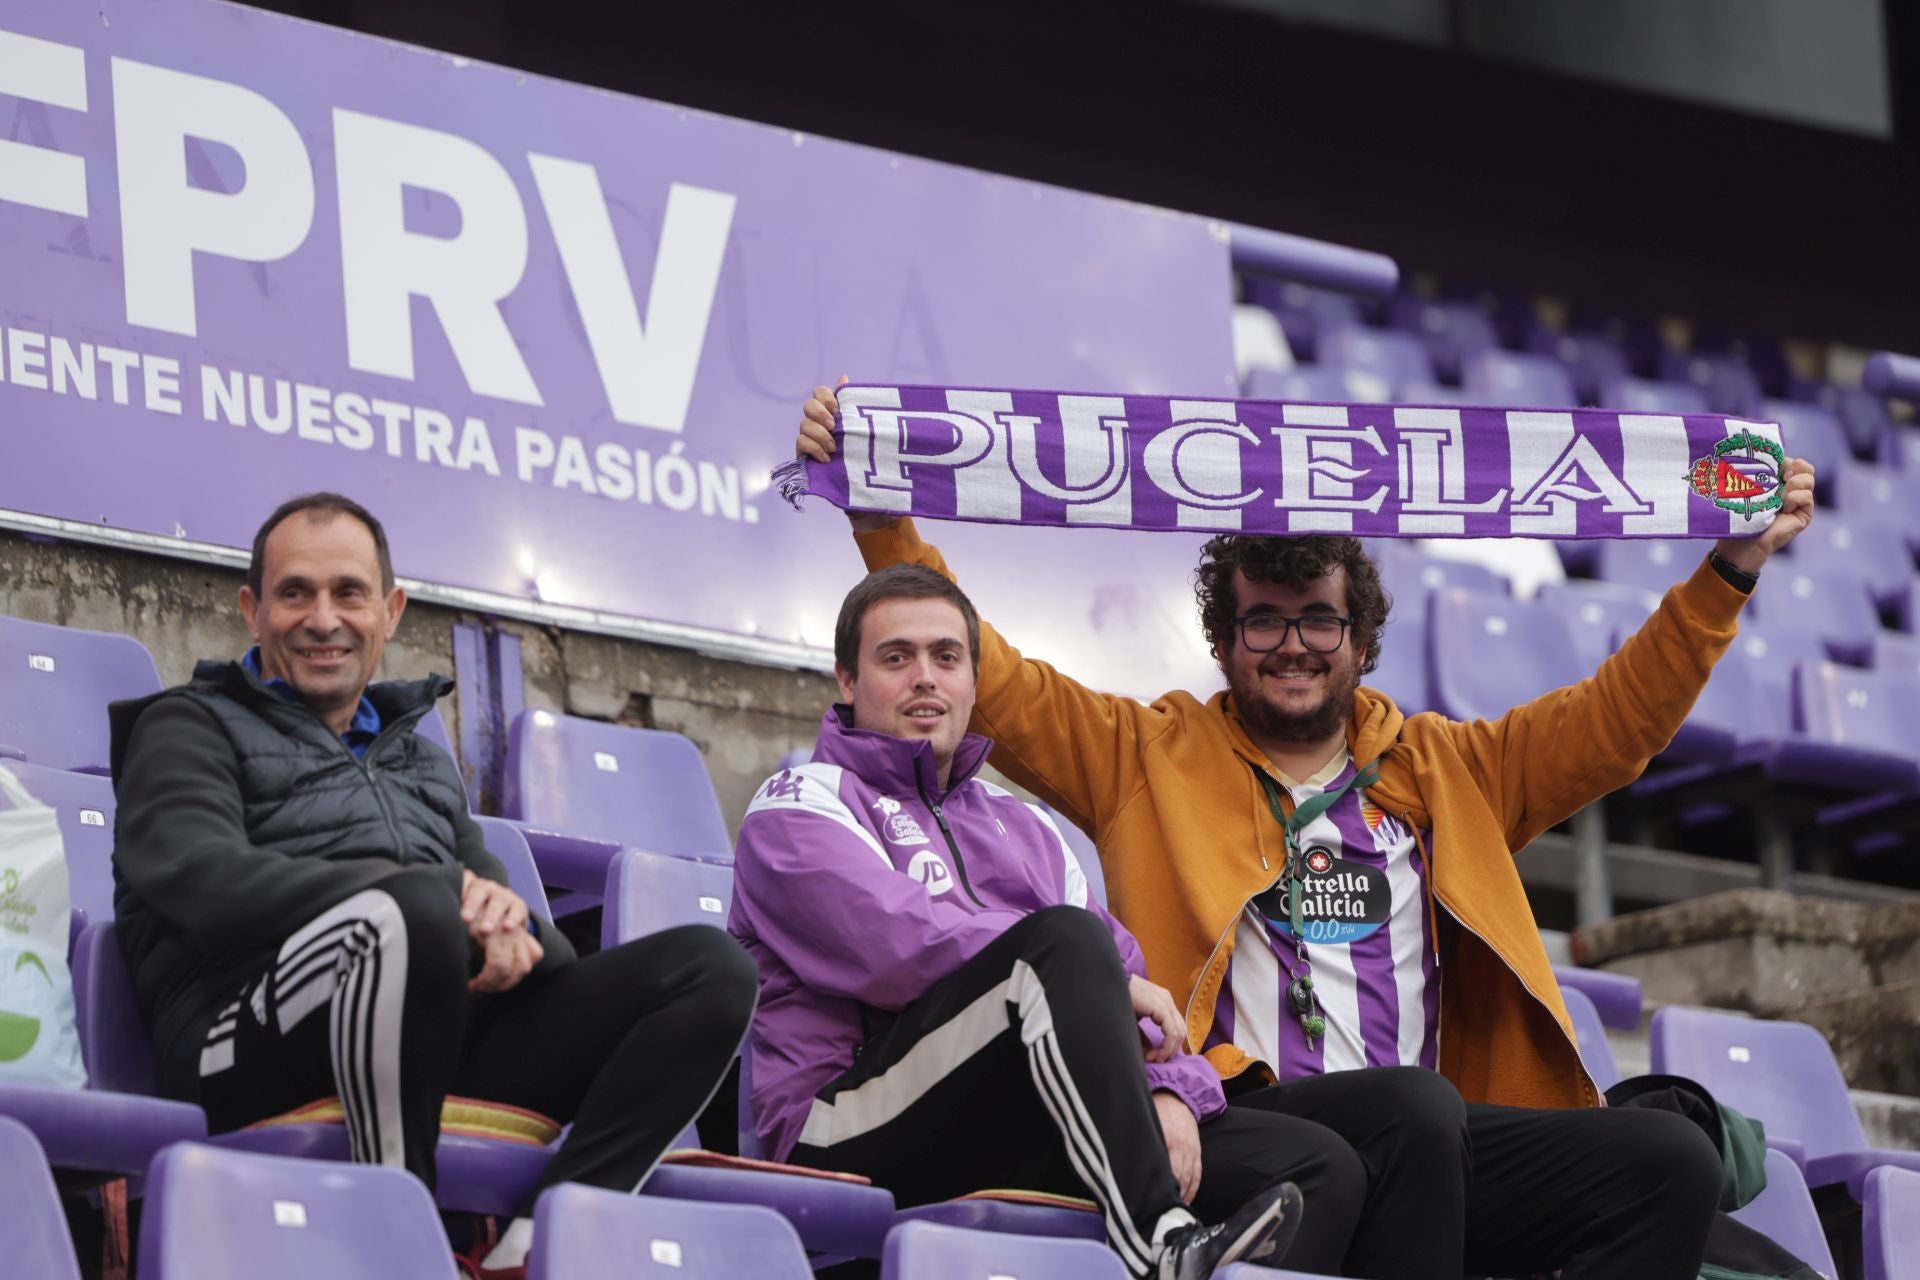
(1303, 813)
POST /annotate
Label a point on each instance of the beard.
(1263, 720)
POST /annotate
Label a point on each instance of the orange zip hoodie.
(1168, 794)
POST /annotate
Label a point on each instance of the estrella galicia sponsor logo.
(899, 827)
(929, 870)
(1340, 901)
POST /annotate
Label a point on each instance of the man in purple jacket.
(941, 1007)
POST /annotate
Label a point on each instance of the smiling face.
(1292, 696)
(915, 675)
(321, 619)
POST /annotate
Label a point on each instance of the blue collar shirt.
(366, 720)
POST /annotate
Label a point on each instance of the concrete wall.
(744, 718)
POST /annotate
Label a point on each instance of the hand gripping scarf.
(1270, 467)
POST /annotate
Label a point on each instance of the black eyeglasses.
(1319, 632)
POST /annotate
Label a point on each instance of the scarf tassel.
(790, 478)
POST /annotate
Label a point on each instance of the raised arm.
(1543, 761)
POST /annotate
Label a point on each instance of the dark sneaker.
(1258, 1232)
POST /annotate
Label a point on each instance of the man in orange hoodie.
(1329, 886)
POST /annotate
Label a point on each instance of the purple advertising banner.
(555, 337)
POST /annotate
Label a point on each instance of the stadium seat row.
(1445, 351)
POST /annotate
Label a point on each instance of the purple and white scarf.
(1268, 467)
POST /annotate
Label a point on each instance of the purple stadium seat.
(1411, 574)
(1827, 598)
(31, 1222)
(584, 1233)
(1598, 614)
(228, 1215)
(1489, 654)
(1863, 416)
(1616, 997)
(477, 1175)
(1812, 433)
(1453, 330)
(1313, 384)
(433, 727)
(1868, 547)
(1890, 1239)
(1900, 446)
(1860, 488)
(1303, 312)
(1782, 1074)
(1866, 710)
(1434, 393)
(1769, 651)
(1517, 381)
(1595, 1053)
(113, 1126)
(1652, 564)
(1394, 359)
(55, 684)
(1638, 395)
(1247, 1271)
(1637, 336)
(1402, 670)
(1591, 361)
(1010, 1216)
(582, 790)
(1896, 651)
(1725, 380)
(506, 842)
(929, 1251)
(646, 893)
(1784, 1213)
(84, 803)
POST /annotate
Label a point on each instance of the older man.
(1329, 888)
(308, 909)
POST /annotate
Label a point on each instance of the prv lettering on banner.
(647, 367)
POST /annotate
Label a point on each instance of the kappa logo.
(927, 869)
(1741, 475)
(786, 786)
(900, 828)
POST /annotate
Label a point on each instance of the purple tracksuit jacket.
(858, 884)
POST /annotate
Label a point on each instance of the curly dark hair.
(1291, 562)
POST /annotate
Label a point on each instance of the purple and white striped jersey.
(1363, 908)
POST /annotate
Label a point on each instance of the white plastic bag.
(38, 1041)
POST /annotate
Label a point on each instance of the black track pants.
(369, 1001)
(1507, 1191)
(1022, 1070)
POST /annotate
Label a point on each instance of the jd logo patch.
(931, 872)
(1340, 901)
(1741, 475)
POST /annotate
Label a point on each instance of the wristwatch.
(1737, 578)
